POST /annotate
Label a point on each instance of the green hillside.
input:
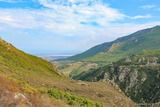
(29, 81)
(91, 52)
(112, 51)
(21, 65)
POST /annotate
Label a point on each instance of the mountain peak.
(156, 27)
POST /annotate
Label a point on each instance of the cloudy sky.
(60, 27)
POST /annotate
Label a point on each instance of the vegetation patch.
(72, 99)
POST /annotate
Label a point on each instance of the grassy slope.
(134, 43)
(71, 69)
(91, 52)
(32, 76)
(21, 65)
(113, 51)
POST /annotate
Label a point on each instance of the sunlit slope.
(17, 63)
(112, 51)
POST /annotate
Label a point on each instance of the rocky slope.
(137, 75)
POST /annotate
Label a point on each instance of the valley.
(130, 63)
(29, 81)
(79, 53)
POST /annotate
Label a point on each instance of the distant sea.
(55, 57)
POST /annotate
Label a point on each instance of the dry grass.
(101, 92)
(12, 95)
(97, 91)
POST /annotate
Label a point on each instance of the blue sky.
(58, 27)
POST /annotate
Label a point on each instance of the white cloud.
(142, 16)
(65, 16)
(62, 15)
(18, 18)
(74, 19)
(149, 6)
(77, 11)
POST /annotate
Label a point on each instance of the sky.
(67, 27)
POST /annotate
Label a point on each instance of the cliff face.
(141, 82)
(138, 76)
